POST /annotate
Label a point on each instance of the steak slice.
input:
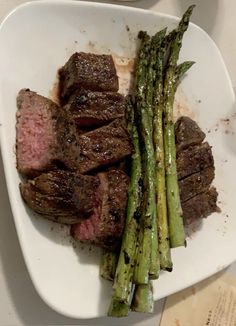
(187, 133)
(105, 229)
(194, 159)
(196, 183)
(45, 136)
(87, 71)
(196, 171)
(105, 145)
(62, 196)
(89, 108)
(200, 206)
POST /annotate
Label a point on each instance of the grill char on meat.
(200, 206)
(45, 135)
(87, 71)
(106, 228)
(62, 196)
(196, 183)
(115, 146)
(187, 133)
(196, 171)
(194, 159)
(47, 138)
(89, 108)
(96, 205)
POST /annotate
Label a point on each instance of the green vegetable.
(176, 228)
(108, 265)
(127, 254)
(163, 229)
(143, 298)
(147, 253)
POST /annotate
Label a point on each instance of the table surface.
(19, 302)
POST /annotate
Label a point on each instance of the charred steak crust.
(89, 108)
(114, 218)
(196, 183)
(88, 71)
(45, 135)
(105, 229)
(187, 133)
(67, 150)
(200, 206)
(103, 146)
(57, 195)
(196, 171)
(194, 159)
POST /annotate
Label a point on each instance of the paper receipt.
(209, 303)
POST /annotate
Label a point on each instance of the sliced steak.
(89, 108)
(103, 146)
(62, 196)
(45, 135)
(187, 133)
(196, 171)
(196, 183)
(87, 71)
(194, 159)
(200, 206)
(105, 229)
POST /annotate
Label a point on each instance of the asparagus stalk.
(129, 240)
(143, 95)
(156, 45)
(108, 265)
(163, 229)
(181, 69)
(119, 308)
(143, 298)
(176, 228)
(141, 269)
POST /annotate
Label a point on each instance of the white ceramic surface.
(35, 40)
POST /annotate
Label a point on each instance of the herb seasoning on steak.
(103, 146)
(200, 206)
(62, 196)
(196, 183)
(96, 205)
(196, 171)
(87, 71)
(89, 108)
(194, 159)
(187, 133)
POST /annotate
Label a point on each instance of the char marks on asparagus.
(49, 137)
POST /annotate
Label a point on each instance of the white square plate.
(35, 40)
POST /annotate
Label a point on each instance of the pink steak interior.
(34, 137)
